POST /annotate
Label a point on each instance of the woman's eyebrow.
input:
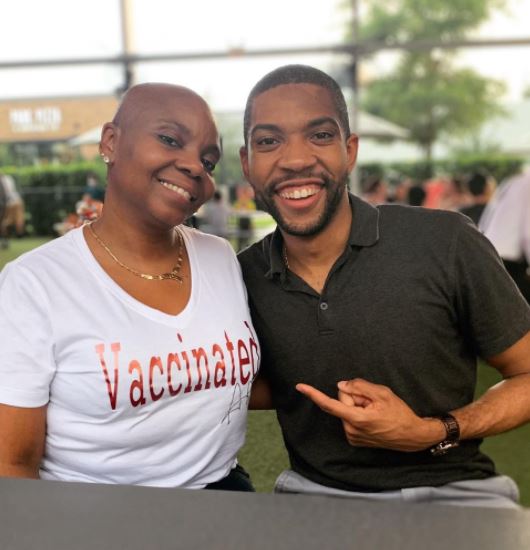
(181, 127)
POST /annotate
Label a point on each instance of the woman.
(127, 348)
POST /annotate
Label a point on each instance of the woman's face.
(163, 150)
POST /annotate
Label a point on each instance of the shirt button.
(324, 306)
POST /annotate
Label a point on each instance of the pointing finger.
(346, 399)
(369, 390)
(327, 404)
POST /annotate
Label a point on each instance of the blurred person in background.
(4, 243)
(445, 193)
(127, 349)
(506, 223)
(401, 190)
(478, 186)
(215, 215)
(416, 195)
(374, 190)
(244, 208)
(87, 209)
(14, 215)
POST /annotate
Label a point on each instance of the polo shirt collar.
(364, 231)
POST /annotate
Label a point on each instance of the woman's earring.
(106, 159)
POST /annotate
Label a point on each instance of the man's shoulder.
(260, 249)
(419, 217)
(255, 259)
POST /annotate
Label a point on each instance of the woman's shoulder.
(44, 257)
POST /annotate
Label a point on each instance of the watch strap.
(452, 435)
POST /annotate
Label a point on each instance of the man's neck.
(311, 258)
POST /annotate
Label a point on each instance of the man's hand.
(374, 416)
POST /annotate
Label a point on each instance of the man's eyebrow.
(265, 127)
(322, 120)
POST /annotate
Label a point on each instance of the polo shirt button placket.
(324, 320)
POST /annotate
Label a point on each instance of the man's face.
(162, 155)
(298, 159)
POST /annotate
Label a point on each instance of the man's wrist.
(433, 431)
(452, 435)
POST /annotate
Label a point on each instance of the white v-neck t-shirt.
(134, 395)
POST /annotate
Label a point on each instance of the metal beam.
(192, 56)
(369, 48)
(363, 49)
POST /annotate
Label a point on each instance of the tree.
(426, 92)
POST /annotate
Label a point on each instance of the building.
(38, 130)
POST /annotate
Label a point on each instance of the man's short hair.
(298, 74)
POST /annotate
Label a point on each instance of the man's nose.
(296, 156)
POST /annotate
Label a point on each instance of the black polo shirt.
(414, 298)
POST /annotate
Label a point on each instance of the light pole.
(126, 30)
(354, 77)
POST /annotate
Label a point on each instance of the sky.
(54, 29)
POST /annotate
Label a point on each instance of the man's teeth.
(177, 189)
(302, 193)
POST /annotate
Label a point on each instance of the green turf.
(263, 455)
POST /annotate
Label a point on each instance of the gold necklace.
(173, 275)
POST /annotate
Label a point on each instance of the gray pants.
(493, 492)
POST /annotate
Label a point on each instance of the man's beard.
(334, 191)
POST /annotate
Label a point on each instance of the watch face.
(443, 447)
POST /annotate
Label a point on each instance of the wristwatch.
(452, 435)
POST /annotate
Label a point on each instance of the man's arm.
(373, 416)
(22, 433)
(505, 405)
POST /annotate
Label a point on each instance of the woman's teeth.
(177, 189)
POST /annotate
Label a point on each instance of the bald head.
(154, 107)
(143, 98)
(161, 150)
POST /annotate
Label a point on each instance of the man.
(391, 304)
(506, 223)
(479, 189)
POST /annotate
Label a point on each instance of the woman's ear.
(107, 144)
